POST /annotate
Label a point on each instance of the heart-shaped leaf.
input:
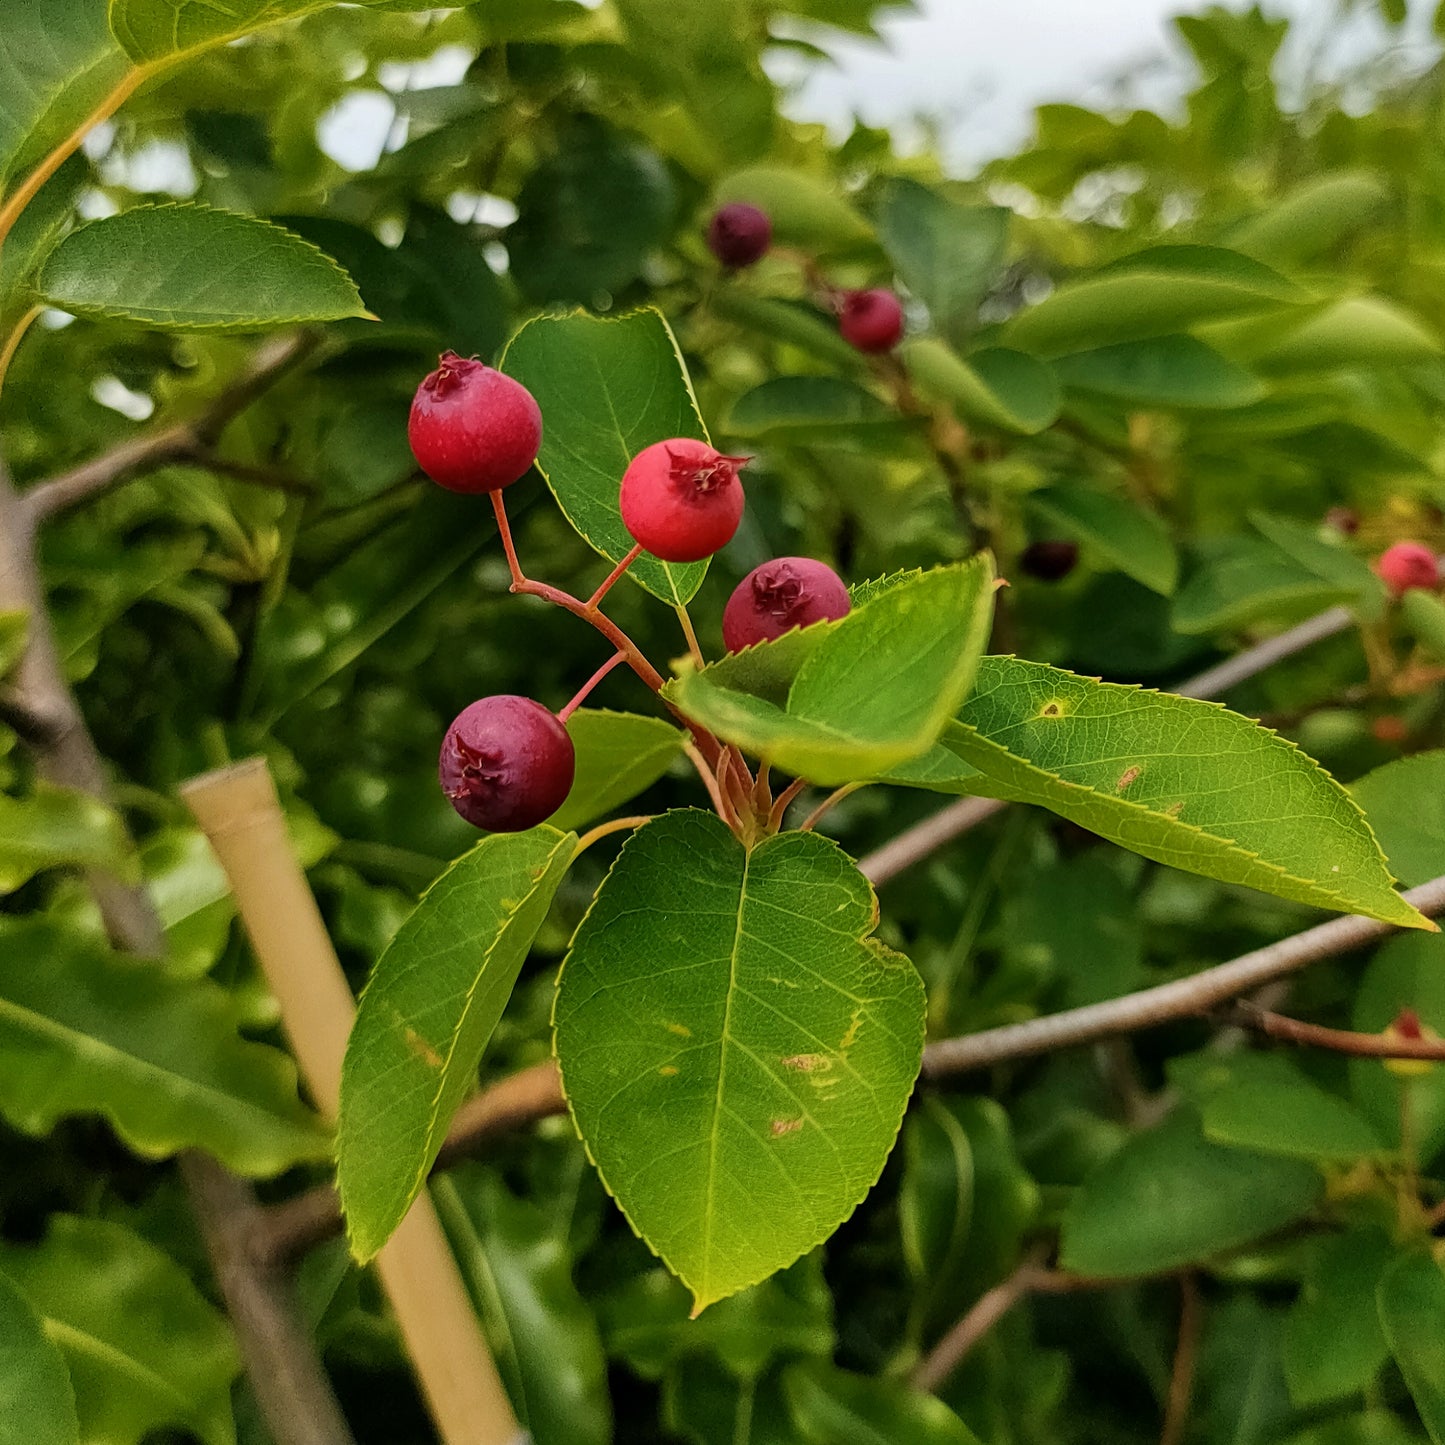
(736, 1049)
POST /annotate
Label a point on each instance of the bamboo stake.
(239, 812)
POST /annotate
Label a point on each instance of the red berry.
(780, 595)
(1049, 561)
(1407, 565)
(1390, 728)
(871, 320)
(682, 499)
(739, 234)
(473, 429)
(506, 763)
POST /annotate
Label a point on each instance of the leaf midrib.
(83, 1342)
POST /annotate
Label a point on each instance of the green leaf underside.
(864, 693)
(619, 754)
(1411, 1299)
(1179, 780)
(607, 388)
(1133, 540)
(1157, 292)
(426, 1015)
(736, 1050)
(145, 1351)
(82, 1032)
(37, 1403)
(57, 62)
(1170, 1198)
(192, 267)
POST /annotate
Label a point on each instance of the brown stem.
(1183, 998)
(1341, 1041)
(1181, 1377)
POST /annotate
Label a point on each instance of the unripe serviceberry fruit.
(782, 594)
(472, 429)
(506, 763)
(1049, 561)
(871, 320)
(1407, 565)
(739, 234)
(682, 499)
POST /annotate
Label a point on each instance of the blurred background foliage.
(1229, 428)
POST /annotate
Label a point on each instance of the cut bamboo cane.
(239, 812)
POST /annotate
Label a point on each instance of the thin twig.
(292, 1228)
(1249, 1016)
(918, 842)
(827, 805)
(189, 441)
(1186, 1352)
(1183, 998)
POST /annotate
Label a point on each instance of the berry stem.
(828, 803)
(780, 808)
(504, 531)
(692, 647)
(613, 576)
(586, 688)
(603, 829)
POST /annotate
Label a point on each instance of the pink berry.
(1407, 565)
(682, 499)
(780, 595)
(472, 429)
(506, 763)
(739, 234)
(871, 320)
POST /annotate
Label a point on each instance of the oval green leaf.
(217, 271)
(607, 388)
(736, 1049)
(37, 1402)
(1405, 803)
(998, 387)
(426, 1015)
(829, 1405)
(865, 693)
(805, 209)
(1161, 371)
(1411, 1298)
(1135, 541)
(1179, 780)
(619, 754)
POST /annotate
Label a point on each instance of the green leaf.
(220, 271)
(518, 1270)
(870, 691)
(1312, 218)
(14, 633)
(1371, 1427)
(1412, 1311)
(1329, 561)
(1179, 780)
(738, 1068)
(1423, 614)
(1358, 331)
(1240, 581)
(1265, 1103)
(588, 217)
(793, 322)
(711, 1405)
(1333, 1343)
(619, 754)
(1405, 973)
(36, 231)
(1170, 1198)
(1157, 292)
(426, 1015)
(935, 1199)
(946, 254)
(85, 1032)
(996, 386)
(607, 388)
(1405, 803)
(823, 410)
(58, 61)
(829, 1405)
(1133, 540)
(805, 210)
(1163, 371)
(144, 1350)
(37, 1403)
(56, 828)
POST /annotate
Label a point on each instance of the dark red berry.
(780, 595)
(739, 234)
(871, 320)
(506, 763)
(472, 429)
(1049, 561)
(1343, 519)
(1407, 565)
(682, 499)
